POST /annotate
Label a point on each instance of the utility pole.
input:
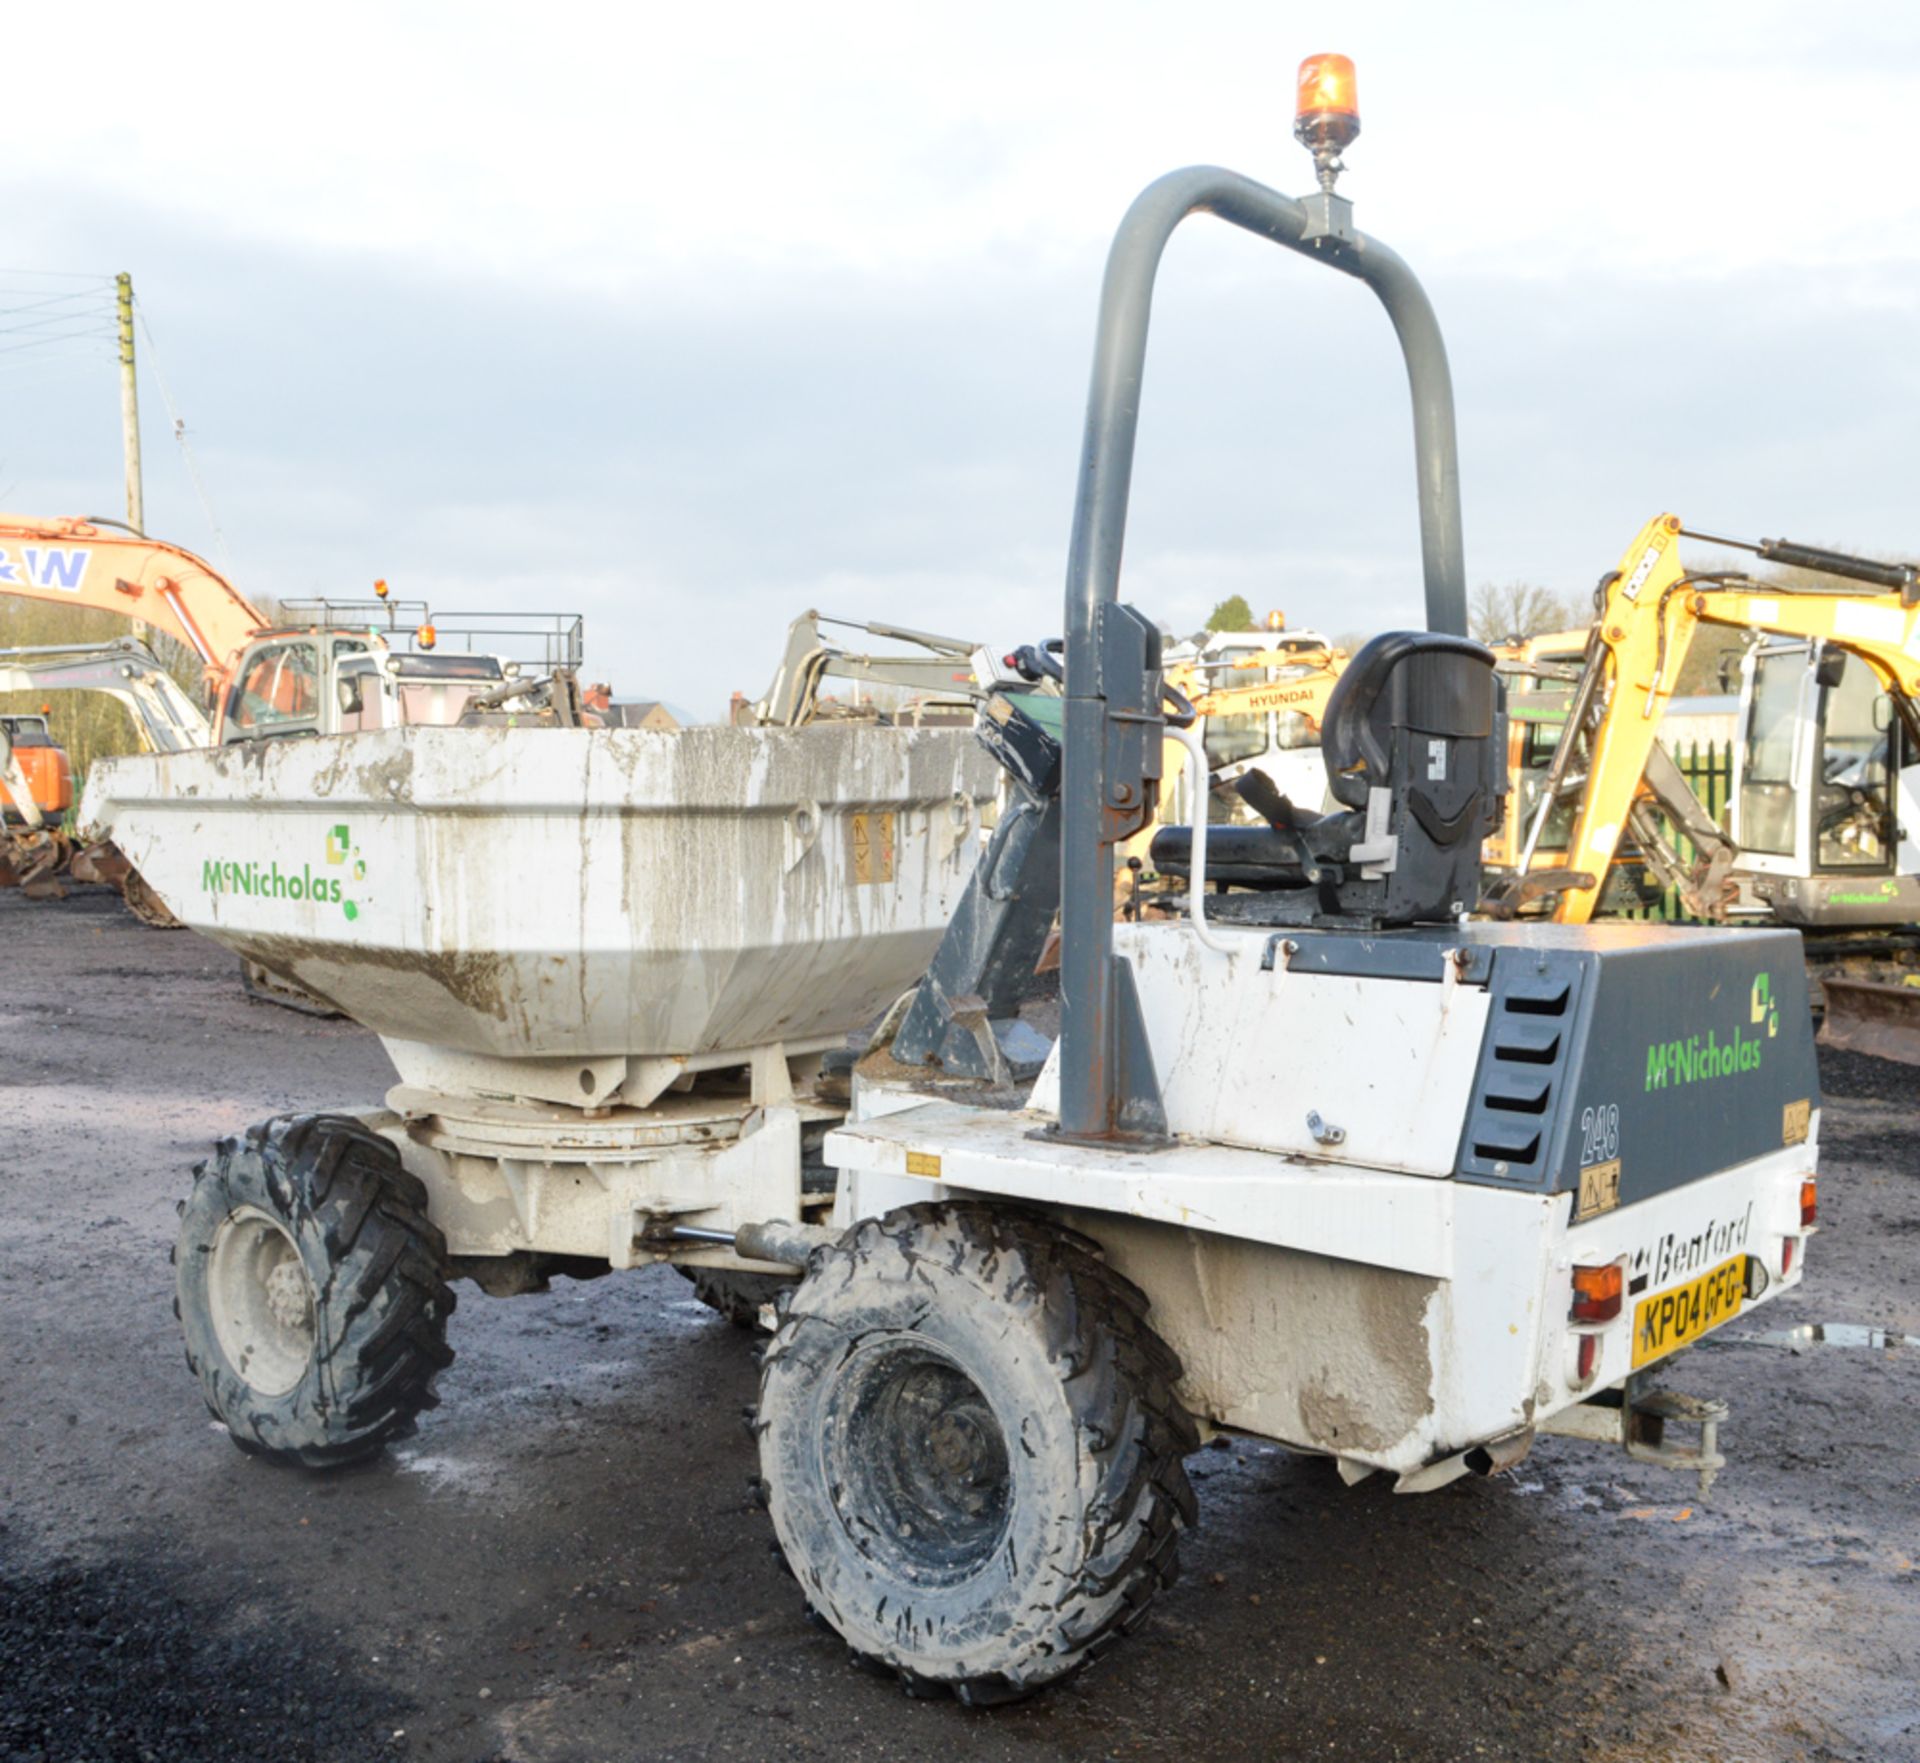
(130, 405)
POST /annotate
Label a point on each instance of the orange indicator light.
(1597, 1292)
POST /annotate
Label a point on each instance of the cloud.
(691, 323)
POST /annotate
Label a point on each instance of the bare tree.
(1500, 610)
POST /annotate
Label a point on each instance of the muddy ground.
(567, 1563)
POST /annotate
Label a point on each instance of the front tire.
(971, 1449)
(309, 1284)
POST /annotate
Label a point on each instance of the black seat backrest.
(1414, 740)
(1437, 685)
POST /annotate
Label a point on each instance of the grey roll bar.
(1095, 1103)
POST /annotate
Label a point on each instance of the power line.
(180, 435)
(64, 275)
(54, 326)
(52, 320)
(66, 337)
(38, 299)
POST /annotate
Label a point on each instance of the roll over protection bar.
(1108, 1091)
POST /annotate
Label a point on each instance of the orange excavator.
(36, 790)
(330, 668)
(85, 563)
(81, 563)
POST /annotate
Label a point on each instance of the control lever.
(1263, 796)
(1037, 661)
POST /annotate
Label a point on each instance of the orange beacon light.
(1327, 107)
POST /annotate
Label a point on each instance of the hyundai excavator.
(1824, 823)
(1267, 712)
(1258, 720)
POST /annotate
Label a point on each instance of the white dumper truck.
(1323, 1161)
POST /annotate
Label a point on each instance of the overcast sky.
(691, 318)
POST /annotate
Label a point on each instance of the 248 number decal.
(1599, 1134)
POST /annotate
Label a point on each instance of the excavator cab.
(1823, 782)
(348, 667)
(40, 764)
(1540, 673)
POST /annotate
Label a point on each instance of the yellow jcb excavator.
(1825, 804)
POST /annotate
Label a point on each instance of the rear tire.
(971, 1449)
(309, 1283)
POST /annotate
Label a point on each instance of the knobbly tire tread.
(376, 1264)
(1122, 1399)
(734, 1295)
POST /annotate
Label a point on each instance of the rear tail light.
(1809, 1202)
(1589, 1356)
(1786, 1257)
(1597, 1292)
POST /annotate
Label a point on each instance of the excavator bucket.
(33, 860)
(1872, 1016)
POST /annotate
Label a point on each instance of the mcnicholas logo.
(1698, 1059)
(268, 881)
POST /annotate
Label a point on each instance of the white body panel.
(1387, 1319)
(535, 893)
(1392, 1067)
(1356, 1298)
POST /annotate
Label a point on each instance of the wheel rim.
(262, 1301)
(918, 1461)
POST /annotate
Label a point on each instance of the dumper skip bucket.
(530, 892)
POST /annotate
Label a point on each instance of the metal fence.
(1637, 893)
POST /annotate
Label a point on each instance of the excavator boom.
(84, 563)
(165, 718)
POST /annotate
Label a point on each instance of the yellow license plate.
(1672, 1319)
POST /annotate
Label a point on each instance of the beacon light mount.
(1326, 120)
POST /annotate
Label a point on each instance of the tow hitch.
(1639, 1419)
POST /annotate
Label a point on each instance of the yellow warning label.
(1795, 1120)
(1599, 1190)
(925, 1163)
(872, 835)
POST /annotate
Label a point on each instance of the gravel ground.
(566, 1562)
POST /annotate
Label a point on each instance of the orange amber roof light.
(1326, 87)
(427, 636)
(380, 588)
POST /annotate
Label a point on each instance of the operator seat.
(1415, 744)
